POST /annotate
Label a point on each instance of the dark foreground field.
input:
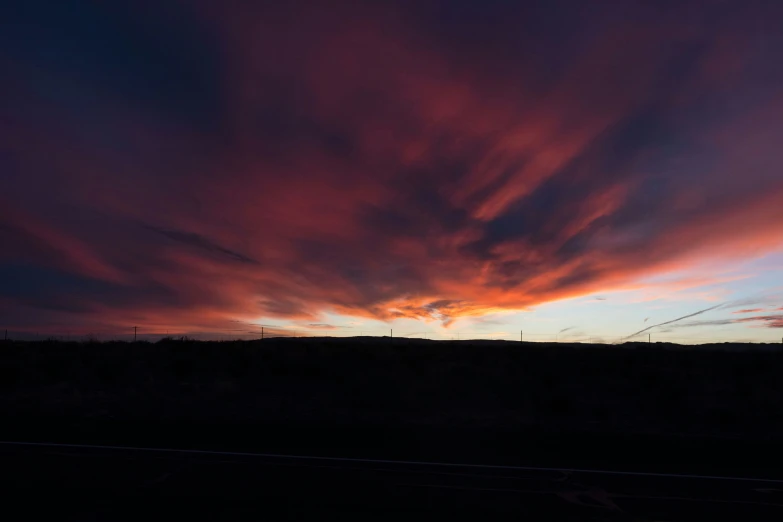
(317, 393)
(709, 410)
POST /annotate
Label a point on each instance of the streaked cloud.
(761, 321)
(377, 160)
(322, 326)
(672, 321)
(767, 321)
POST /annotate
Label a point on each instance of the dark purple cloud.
(763, 321)
(194, 163)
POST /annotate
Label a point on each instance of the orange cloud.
(279, 162)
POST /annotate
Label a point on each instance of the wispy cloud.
(377, 160)
(672, 321)
(766, 299)
(768, 321)
(201, 242)
(322, 326)
(763, 321)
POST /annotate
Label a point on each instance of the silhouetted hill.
(411, 386)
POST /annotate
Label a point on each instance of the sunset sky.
(575, 170)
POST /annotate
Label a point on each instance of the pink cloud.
(367, 161)
(767, 321)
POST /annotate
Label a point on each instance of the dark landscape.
(410, 398)
(535, 410)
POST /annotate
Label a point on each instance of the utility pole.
(391, 333)
(262, 333)
(649, 338)
(134, 333)
(520, 337)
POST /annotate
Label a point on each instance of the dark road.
(97, 483)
